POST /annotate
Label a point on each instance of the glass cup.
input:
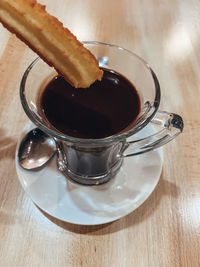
(95, 161)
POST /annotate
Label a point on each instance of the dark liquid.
(106, 108)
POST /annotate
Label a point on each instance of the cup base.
(92, 180)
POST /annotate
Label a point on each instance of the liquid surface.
(106, 108)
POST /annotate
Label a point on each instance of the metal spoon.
(36, 149)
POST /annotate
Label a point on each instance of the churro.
(55, 44)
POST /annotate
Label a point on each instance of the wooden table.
(165, 230)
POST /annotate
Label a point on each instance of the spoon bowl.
(36, 149)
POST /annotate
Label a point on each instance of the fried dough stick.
(55, 44)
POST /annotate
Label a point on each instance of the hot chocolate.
(106, 108)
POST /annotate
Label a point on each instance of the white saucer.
(77, 204)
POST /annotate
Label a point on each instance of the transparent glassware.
(95, 161)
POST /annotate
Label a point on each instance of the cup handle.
(171, 125)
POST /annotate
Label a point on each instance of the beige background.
(165, 230)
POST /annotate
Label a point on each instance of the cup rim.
(84, 141)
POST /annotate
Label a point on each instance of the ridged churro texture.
(55, 44)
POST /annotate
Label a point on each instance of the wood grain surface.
(165, 230)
